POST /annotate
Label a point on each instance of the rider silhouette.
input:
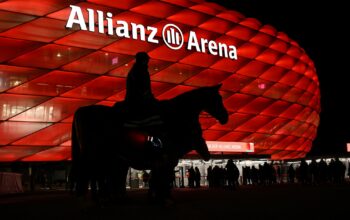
(142, 108)
(139, 98)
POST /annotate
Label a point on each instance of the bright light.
(222, 146)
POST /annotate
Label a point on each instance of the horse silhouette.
(103, 148)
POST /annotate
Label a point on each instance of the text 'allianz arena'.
(47, 71)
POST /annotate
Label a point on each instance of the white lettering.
(91, 19)
(152, 35)
(171, 33)
(122, 31)
(233, 52)
(212, 46)
(135, 29)
(193, 42)
(109, 23)
(76, 12)
(223, 50)
(100, 22)
(203, 43)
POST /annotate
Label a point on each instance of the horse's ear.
(218, 86)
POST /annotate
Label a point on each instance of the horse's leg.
(161, 178)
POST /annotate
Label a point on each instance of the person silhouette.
(139, 98)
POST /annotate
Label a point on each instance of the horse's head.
(214, 104)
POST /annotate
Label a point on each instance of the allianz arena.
(47, 71)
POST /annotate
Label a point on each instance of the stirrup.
(155, 142)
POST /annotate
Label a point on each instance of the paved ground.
(272, 202)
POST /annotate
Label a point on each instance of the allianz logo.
(172, 35)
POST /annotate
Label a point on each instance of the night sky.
(319, 27)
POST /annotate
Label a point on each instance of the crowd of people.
(313, 173)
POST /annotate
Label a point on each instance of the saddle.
(150, 121)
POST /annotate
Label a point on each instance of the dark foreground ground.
(272, 202)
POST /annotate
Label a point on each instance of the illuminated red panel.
(289, 128)
(241, 32)
(64, 13)
(257, 87)
(184, 3)
(251, 23)
(207, 77)
(12, 131)
(15, 153)
(200, 59)
(235, 120)
(131, 17)
(176, 73)
(236, 101)
(53, 83)
(50, 136)
(296, 52)
(11, 48)
(292, 95)
(290, 78)
(303, 115)
(230, 15)
(279, 45)
(42, 29)
(12, 76)
(175, 92)
(11, 105)
(268, 56)
(262, 39)
(10, 19)
(208, 8)
(50, 56)
(254, 124)
(236, 82)
(125, 4)
(217, 25)
(53, 110)
(163, 9)
(118, 97)
(276, 108)
(90, 40)
(213, 135)
(286, 62)
(305, 98)
(274, 73)
(53, 154)
(97, 63)
(206, 121)
(99, 88)
(253, 69)
(256, 106)
(249, 50)
(273, 126)
(234, 136)
(277, 91)
(129, 46)
(154, 66)
(105, 103)
(35, 7)
(284, 143)
(268, 29)
(164, 53)
(159, 88)
(229, 65)
(188, 17)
